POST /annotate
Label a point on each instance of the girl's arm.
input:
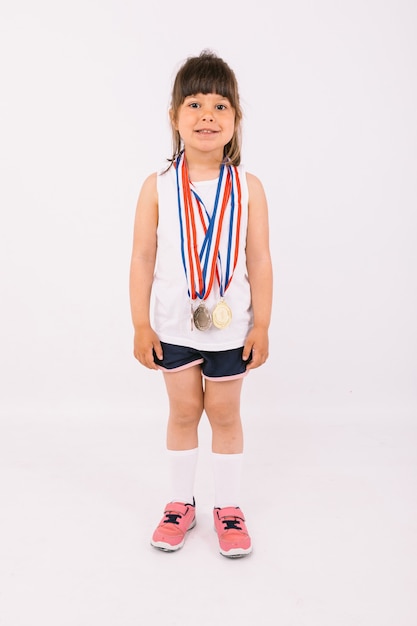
(142, 268)
(258, 259)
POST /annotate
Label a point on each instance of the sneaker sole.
(238, 553)
(167, 547)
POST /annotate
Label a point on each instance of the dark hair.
(207, 73)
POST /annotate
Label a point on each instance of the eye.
(194, 105)
(221, 107)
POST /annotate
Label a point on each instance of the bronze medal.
(222, 315)
(202, 317)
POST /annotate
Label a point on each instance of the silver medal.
(202, 317)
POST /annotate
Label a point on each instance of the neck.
(203, 166)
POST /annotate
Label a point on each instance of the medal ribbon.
(234, 230)
(202, 263)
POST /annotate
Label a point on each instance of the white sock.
(227, 469)
(182, 466)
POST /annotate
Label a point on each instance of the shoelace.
(172, 518)
(231, 524)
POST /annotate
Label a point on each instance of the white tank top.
(170, 300)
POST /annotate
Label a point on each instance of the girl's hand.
(145, 341)
(256, 344)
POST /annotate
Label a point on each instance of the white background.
(329, 92)
(330, 99)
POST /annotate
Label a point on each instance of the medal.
(222, 315)
(209, 243)
(202, 317)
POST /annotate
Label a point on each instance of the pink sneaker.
(230, 526)
(170, 533)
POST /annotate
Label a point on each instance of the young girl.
(201, 247)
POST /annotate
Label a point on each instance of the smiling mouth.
(206, 131)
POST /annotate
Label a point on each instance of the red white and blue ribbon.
(206, 255)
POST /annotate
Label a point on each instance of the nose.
(207, 116)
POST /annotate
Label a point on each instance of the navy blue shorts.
(220, 365)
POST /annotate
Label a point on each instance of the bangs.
(208, 78)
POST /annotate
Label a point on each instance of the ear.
(173, 120)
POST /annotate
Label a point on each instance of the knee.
(222, 414)
(186, 413)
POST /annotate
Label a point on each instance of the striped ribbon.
(205, 256)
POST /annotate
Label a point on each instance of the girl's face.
(205, 122)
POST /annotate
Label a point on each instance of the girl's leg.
(185, 393)
(186, 403)
(222, 405)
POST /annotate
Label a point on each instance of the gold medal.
(222, 315)
(202, 317)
